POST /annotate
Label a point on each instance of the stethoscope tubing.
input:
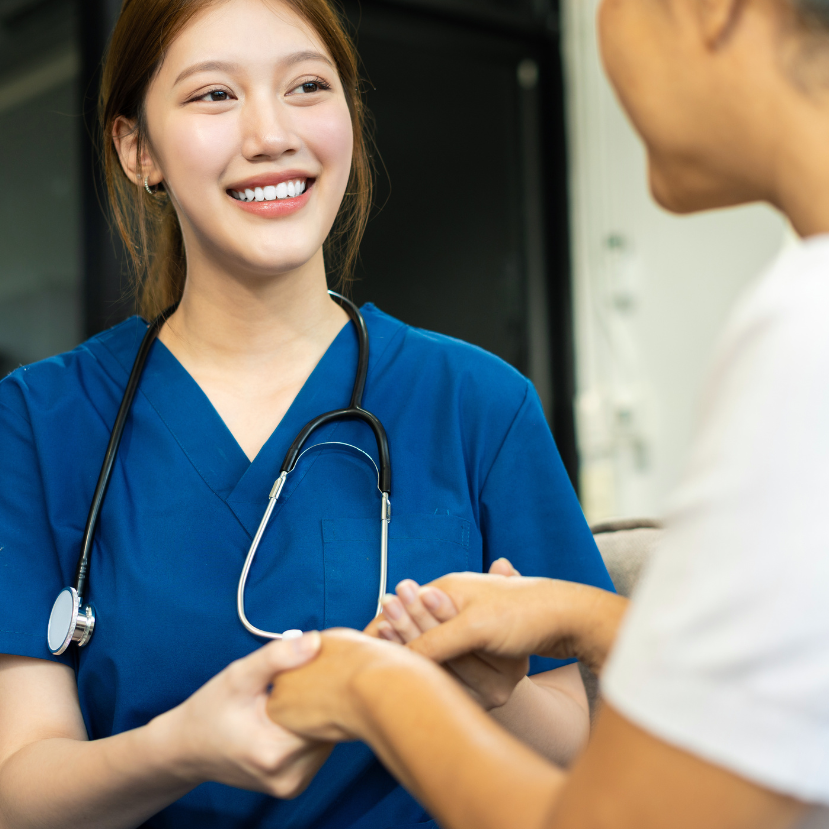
(82, 618)
(82, 570)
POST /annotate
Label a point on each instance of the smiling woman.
(239, 175)
(150, 227)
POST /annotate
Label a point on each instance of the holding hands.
(510, 618)
(489, 678)
(222, 732)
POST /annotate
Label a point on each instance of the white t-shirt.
(725, 651)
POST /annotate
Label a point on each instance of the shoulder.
(474, 373)
(786, 309)
(66, 379)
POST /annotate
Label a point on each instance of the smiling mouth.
(279, 192)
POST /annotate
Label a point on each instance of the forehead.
(243, 32)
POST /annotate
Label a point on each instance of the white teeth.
(284, 190)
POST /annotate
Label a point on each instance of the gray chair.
(625, 546)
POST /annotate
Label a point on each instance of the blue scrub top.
(475, 476)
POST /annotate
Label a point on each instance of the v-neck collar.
(205, 439)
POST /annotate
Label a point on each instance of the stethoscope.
(73, 621)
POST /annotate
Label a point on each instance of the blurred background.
(512, 211)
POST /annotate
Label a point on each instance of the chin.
(683, 189)
(271, 260)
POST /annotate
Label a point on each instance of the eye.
(310, 87)
(214, 96)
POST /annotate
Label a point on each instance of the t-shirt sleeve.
(530, 513)
(725, 652)
(30, 575)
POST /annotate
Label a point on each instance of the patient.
(716, 711)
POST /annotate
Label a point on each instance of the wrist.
(594, 618)
(396, 674)
(169, 743)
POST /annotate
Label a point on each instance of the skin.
(730, 99)
(254, 321)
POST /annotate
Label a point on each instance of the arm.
(471, 774)
(221, 733)
(629, 779)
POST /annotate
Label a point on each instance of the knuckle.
(500, 696)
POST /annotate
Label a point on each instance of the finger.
(487, 683)
(395, 614)
(450, 640)
(438, 603)
(372, 627)
(257, 670)
(408, 592)
(387, 632)
(503, 567)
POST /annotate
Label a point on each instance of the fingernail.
(385, 630)
(307, 644)
(431, 599)
(392, 607)
(406, 592)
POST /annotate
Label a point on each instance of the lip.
(274, 209)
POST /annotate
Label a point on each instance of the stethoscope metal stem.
(240, 592)
(385, 518)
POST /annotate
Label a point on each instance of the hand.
(516, 617)
(489, 679)
(318, 700)
(222, 732)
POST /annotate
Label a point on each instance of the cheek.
(196, 152)
(331, 140)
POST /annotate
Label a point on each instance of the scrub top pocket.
(421, 547)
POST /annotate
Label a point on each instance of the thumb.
(503, 567)
(451, 639)
(258, 669)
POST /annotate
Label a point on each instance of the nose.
(267, 130)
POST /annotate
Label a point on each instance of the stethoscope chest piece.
(69, 622)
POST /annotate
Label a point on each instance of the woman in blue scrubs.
(234, 140)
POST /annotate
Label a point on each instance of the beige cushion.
(626, 547)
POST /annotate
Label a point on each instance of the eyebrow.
(221, 66)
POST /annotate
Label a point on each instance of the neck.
(230, 321)
(801, 167)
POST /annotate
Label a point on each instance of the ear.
(717, 19)
(125, 137)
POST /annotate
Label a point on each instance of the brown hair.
(148, 224)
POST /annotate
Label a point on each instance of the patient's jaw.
(716, 90)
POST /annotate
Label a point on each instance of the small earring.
(147, 186)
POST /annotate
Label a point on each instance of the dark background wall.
(469, 235)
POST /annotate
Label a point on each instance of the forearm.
(113, 783)
(546, 719)
(585, 624)
(466, 770)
